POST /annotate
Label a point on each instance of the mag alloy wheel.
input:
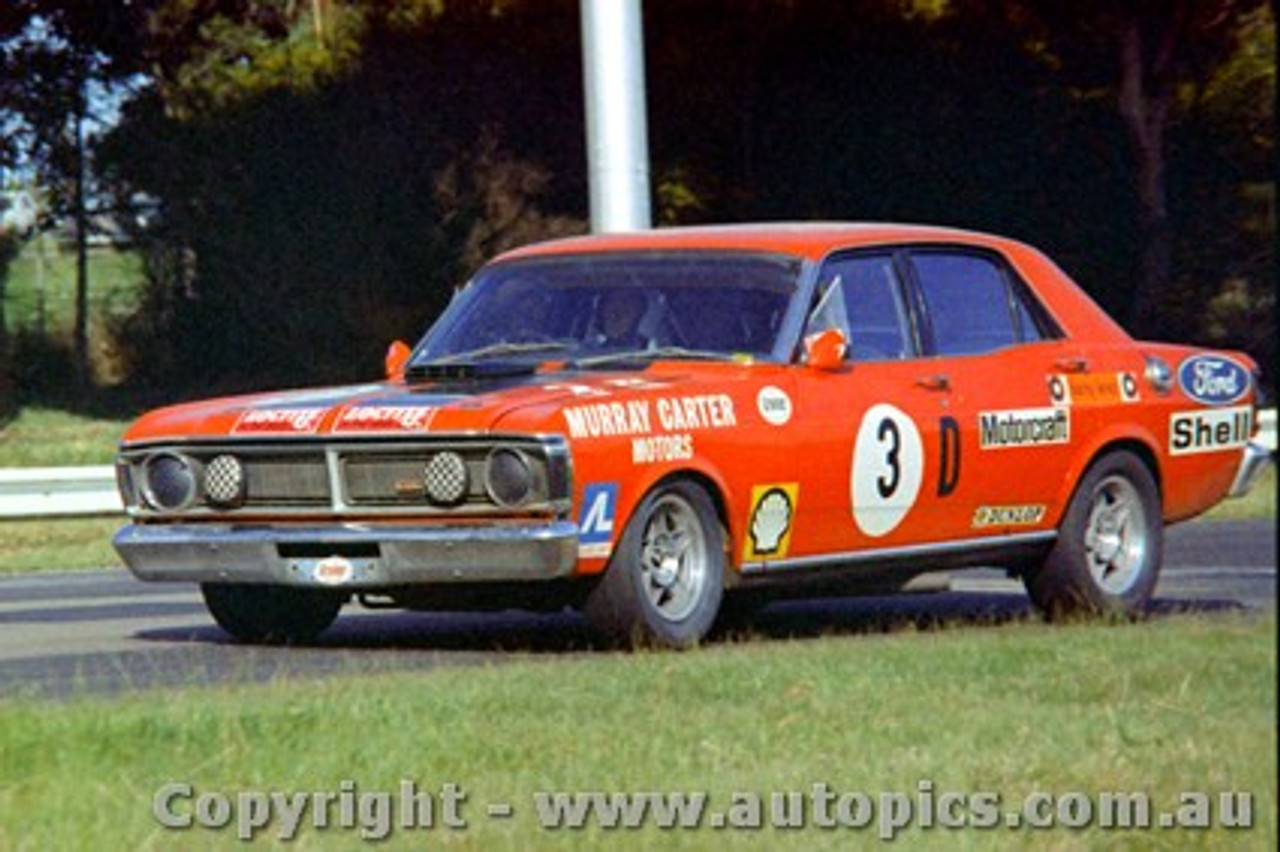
(1107, 556)
(1115, 538)
(665, 580)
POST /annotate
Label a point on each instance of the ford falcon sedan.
(649, 426)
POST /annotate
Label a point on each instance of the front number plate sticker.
(335, 570)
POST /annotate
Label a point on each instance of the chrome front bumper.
(348, 556)
(1253, 461)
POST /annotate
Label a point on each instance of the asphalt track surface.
(102, 632)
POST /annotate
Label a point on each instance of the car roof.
(812, 240)
(1075, 312)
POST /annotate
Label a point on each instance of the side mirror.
(826, 349)
(398, 354)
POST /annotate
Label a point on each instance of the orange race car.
(644, 425)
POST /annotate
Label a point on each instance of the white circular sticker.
(888, 466)
(334, 571)
(774, 405)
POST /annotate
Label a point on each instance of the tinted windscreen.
(580, 306)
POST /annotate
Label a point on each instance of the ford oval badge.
(1213, 379)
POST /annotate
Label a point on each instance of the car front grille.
(447, 476)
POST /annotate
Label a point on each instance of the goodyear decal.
(1093, 388)
(1008, 516)
(773, 511)
(1027, 427)
(1209, 430)
(597, 520)
(1213, 379)
(279, 420)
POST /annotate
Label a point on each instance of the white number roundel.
(888, 465)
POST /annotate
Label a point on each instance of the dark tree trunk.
(80, 335)
(1145, 99)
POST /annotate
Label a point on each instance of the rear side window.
(863, 297)
(971, 303)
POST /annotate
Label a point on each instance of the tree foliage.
(324, 172)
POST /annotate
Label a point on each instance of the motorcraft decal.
(1026, 427)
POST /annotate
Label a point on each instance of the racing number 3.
(889, 432)
(888, 465)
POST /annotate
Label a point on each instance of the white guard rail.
(57, 492)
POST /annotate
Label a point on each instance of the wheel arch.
(715, 490)
(1138, 445)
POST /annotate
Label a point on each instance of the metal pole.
(617, 137)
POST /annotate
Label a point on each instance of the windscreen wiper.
(501, 348)
(675, 353)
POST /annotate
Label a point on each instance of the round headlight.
(445, 479)
(224, 481)
(509, 477)
(169, 481)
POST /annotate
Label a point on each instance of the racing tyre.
(272, 615)
(1107, 556)
(665, 579)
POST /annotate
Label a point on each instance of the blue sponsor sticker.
(597, 519)
(1213, 379)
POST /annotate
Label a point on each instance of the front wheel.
(1107, 556)
(271, 614)
(664, 583)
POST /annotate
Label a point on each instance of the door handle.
(936, 381)
(1072, 364)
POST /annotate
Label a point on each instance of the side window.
(862, 296)
(1031, 328)
(971, 308)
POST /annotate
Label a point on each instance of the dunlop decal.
(1008, 516)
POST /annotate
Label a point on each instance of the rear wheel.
(1107, 556)
(664, 583)
(271, 614)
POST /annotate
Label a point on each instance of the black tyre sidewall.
(271, 614)
(1063, 585)
(618, 607)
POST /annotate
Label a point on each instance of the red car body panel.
(963, 448)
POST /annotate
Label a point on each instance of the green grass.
(61, 544)
(43, 438)
(40, 287)
(1260, 502)
(1162, 708)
